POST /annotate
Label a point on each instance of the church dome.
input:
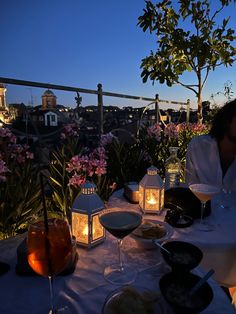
(48, 92)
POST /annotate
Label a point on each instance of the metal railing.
(100, 93)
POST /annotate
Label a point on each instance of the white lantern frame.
(151, 192)
(85, 212)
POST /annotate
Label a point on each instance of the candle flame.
(152, 200)
(85, 231)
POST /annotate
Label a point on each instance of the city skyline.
(83, 43)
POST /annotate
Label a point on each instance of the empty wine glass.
(204, 192)
(120, 223)
(49, 249)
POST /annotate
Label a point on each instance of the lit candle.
(152, 200)
(85, 231)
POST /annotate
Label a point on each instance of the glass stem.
(120, 241)
(202, 211)
(50, 279)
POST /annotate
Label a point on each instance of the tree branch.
(187, 86)
(191, 62)
(204, 81)
(216, 65)
(217, 12)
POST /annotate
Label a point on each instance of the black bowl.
(175, 290)
(183, 256)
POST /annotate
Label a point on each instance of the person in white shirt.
(211, 158)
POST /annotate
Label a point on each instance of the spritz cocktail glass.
(49, 250)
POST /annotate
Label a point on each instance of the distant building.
(3, 105)
(17, 111)
(44, 117)
(4, 114)
(49, 100)
(50, 119)
(49, 114)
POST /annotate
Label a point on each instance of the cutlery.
(198, 285)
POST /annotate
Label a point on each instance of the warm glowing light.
(152, 200)
(151, 192)
(86, 226)
(85, 231)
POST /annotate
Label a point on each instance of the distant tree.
(189, 39)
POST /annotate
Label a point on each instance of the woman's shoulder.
(205, 142)
(202, 139)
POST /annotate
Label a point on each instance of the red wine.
(120, 223)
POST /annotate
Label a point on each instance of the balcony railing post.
(188, 110)
(157, 108)
(100, 109)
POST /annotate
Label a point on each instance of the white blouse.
(203, 164)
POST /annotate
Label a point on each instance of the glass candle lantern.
(85, 217)
(151, 192)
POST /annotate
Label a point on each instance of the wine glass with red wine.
(120, 223)
(49, 249)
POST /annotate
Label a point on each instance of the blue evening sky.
(81, 43)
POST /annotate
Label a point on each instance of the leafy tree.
(200, 48)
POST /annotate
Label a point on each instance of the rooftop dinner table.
(85, 290)
(218, 246)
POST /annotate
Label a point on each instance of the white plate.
(150, 243)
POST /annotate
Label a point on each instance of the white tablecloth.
(218, 246)
(85, 290)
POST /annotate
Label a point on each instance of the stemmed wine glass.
(120, 223)
(49, 249)
(204, 192)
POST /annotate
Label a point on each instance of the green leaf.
(183, 47)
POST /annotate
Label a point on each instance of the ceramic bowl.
(175, 290)
(183, 256)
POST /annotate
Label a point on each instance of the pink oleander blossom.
(98, 153)
(29, 155)
(69, 130)
(107, 139)
(171, 131)
(81, 167)
(76, 180)
(6, 134)
(199, 128)
(20, 153)
(3, 170)
(194, 128)
(155, 131)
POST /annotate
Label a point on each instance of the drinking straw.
(45, 215)
(201, 282)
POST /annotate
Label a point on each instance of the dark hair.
(222, 120)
